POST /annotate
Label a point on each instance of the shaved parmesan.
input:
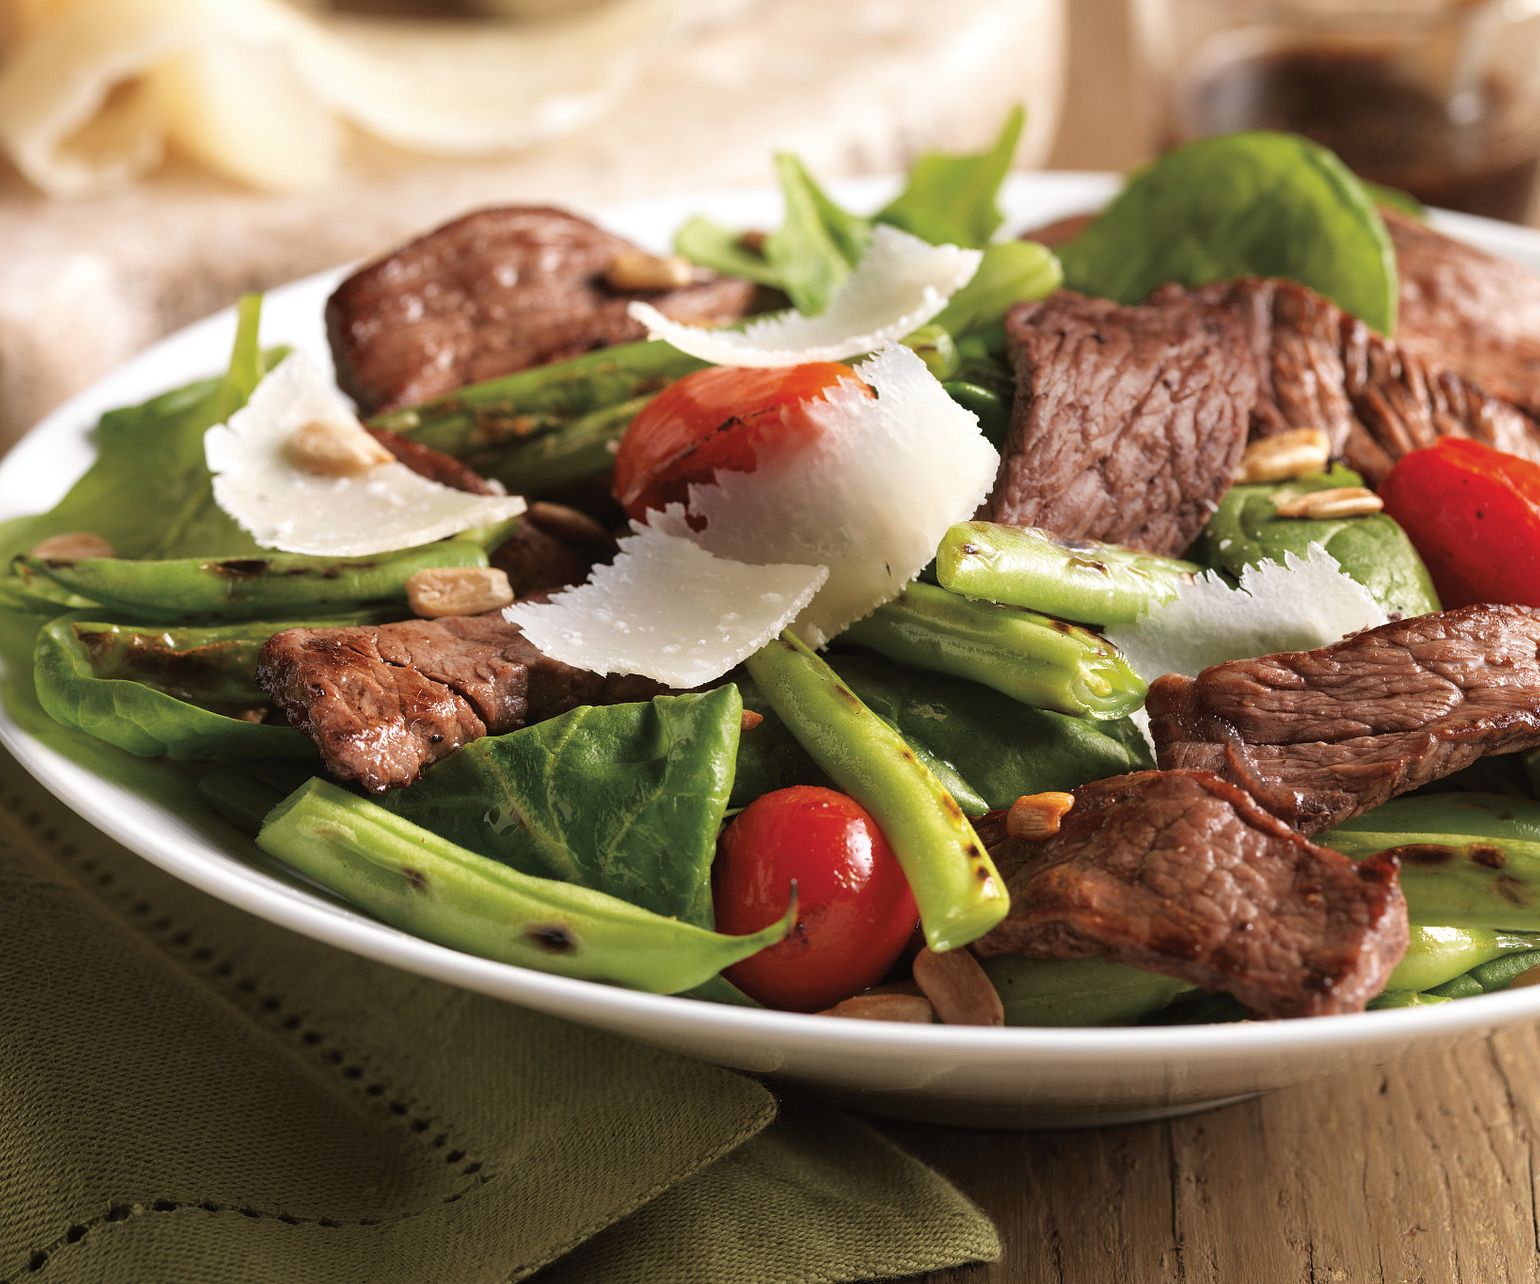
(901, 283)
(669, 610)
(869, 497)
(285, 507)
(1298, 605)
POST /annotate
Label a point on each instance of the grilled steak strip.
(1182, 873)
(384, 702)
(1318, 367)
(1127, 422)
(435, 465)
(496, 291)
(1319, 736)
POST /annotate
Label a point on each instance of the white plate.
(995, 1077)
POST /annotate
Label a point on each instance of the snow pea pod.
(237, 587)
(959, 893)
(1079, 992)
(478, 422)
(1467, 860)
(1038, 661)
(414, 880)
(1080, 580)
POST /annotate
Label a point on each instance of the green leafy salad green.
(586, 844)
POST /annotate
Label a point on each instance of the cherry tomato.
(711, 420)
(855, 913)
(1474, 515)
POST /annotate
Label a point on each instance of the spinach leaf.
(138, 718)
(1008, 273)
(1254, 204)
(952, 199)
(1373, 550)
(812, 252)
(626, 799)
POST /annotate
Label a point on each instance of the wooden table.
(1418, 1174)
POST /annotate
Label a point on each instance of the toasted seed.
(1529, 977)
(958, 988)
(568, 524)
(72, 546)
(751, 719)
(638, 270)
(457, 590)
(754, 240)
(884, 1007)
(1295, 453)
(1038, 815)
(333, 449)
(1339, 501)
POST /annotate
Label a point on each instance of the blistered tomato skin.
(855, 913)
(714, 420)
(1473, 514)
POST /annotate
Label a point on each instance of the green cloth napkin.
(190, 1094)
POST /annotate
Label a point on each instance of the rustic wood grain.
(1420, 1173)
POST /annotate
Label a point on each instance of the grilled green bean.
(481, 422)
(955, 885)
(1488, 978)
(250, 586)
(1435, 955)
(934, 346)
(1467, 860)
(1081, 580)
(993, 409)
(1041, 662)
(414, 880)
(582, 449)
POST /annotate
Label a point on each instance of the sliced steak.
(1318, 367)
(1182, 873)
(1319, 736)
(496, 291)
(553, 547)
(383, 702)
(1465, 310)
(1128, 422)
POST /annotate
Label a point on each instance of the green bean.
(993, 410)
(1435, 955)
(1079, 992)
(582, 449)
(479, 421)
(414, 880)
(1489, 978)
(1080, 580)
(934, 346)
(1467, 860)
(959, 893)
(1038, 661)
(250, 586)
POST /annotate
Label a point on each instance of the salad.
(887, 615)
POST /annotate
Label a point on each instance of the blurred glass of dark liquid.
(1438, 98)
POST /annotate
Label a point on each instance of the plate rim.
(1030, 197)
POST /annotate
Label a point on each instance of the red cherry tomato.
(855, 913)
(1474, 514)
(714, 420)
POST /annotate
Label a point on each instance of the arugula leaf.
(626, 799)
(1253, 204)
(707, 243)
(813, 251)
(952, 199)
(1246, 530)
(138, 718)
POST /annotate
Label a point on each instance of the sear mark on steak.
(1181, 873)
(1319, 736)
(1128, 422)
(493, 292)
(1318, 367)
(383, 702)
(1468, 311)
